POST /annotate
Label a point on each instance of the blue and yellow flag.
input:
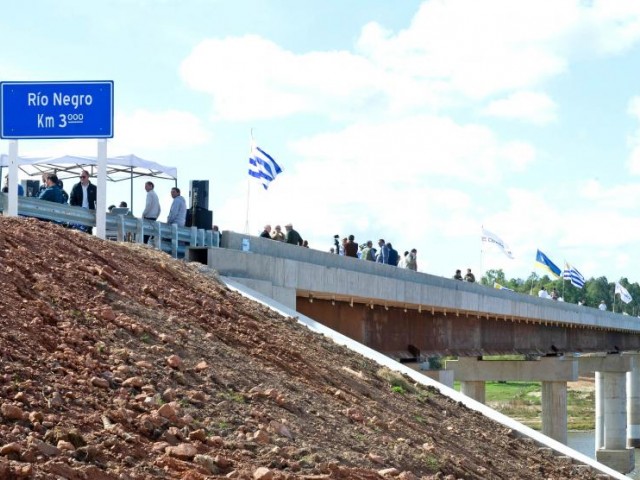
(543, 262)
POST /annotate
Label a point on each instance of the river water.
(585, 443)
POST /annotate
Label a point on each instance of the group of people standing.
(384, 254)
(177, 212)
(291, 236)
(468, 277)
(84, 194)
(554, 295)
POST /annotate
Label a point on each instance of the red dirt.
(118, 362)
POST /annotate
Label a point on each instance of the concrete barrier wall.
(308, 270)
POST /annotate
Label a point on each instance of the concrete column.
(615, 453)
(599, 411)
(633, 403)
(615, 411)
(474, 389)
(554, 410)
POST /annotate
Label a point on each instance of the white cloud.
(250, 77)
(533, 107)
(475, 48)
(411, 149)
(452, 50)
(617, 197)
(615, 25)
(634, 142)
(168, 129)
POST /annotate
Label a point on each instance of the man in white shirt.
(178, 211)
(543, 293)
(602, 306)
(152, 206)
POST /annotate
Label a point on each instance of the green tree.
(492, 276)
(596, 290)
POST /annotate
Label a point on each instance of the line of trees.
(595, 290)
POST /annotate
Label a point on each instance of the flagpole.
(481, 253)
(563, 279)
(246, 221)
(531, 289)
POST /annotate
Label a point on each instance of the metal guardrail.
(168, 238)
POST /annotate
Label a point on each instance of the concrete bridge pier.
(599, 411)
(614, 452)
(474, 389)
(553, 372)
(633, 402)
(554, 410)
(611, 409)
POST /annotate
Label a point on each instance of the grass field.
(521, 401)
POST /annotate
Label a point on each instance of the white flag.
(492, 238)
(624, 295)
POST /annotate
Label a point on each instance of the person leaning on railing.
(152, 206)
(52, 192)
(5, 189)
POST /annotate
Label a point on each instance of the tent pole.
(101, 201)
(131, 193)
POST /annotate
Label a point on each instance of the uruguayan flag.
(262, 166)
(573, 275)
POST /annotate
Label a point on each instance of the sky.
(419, 122)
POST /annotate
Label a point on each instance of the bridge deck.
(389, 308)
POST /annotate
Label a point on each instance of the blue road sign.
(56, 109)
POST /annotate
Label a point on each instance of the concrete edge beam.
(609, 363)
(549, 369)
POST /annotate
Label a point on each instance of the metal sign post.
(12, 204)
(101, 201)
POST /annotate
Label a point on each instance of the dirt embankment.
(118, 362)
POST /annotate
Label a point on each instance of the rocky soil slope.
(118, 362)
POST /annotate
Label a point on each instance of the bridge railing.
(307, 269)
(168, 238)
(264, 246)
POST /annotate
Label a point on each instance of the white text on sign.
(36, 99)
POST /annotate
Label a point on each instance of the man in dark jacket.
(52, 192)
(393, 257)
(84, 194)
(266, 233)
(351, 247)
(292, 236)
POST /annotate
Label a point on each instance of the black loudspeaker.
(199, 193)
(31, 188)
(199, 217)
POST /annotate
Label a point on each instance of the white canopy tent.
(120, 168)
